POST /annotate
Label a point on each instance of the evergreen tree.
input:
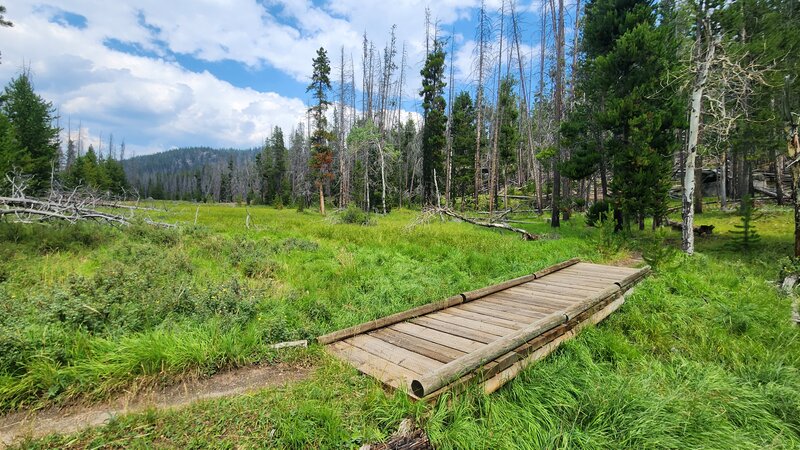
(264, 167)
(11, 154)
(745, 235)
(321, 161)
(435, 120)
(31, 118)
(278, 172)
(508, 139)
(463, 128)
(226, 183)
(627, 111)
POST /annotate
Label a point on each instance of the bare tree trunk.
(704, 61)
(793, 150)
(383, 178)
(698, 185)
(342, 151)
(723, 184)
(527, 121)
(539, 112)
(448, 176)
(479, 104)
(321, 199)
(779, 161)
(494, 172)
(559, 110)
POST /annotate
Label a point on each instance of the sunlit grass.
(702, 355)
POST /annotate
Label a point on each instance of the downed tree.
(526, 235)
(70, 206)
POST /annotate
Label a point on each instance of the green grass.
(701, 356)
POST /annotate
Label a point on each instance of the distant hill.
(190, 173)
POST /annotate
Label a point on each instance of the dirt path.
(74, 418)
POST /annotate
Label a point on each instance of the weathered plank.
(502, 312)
(487, 318)
(418, 345)
(389, 320)
(389, 373)
(394, 354)
(524, 305)
(475, 335)
(448, 340)
(497, 330)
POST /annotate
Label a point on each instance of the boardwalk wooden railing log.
(487, 335)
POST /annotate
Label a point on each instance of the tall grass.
(701, 356)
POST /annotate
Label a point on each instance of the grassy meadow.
(701, 356)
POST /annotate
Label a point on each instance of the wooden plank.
(568, 293)
(626, 270)
(475, 335)
(521, 304)
(602, 271)
(557, 267)
(596, 270)
(457, 368)
(594, 276)
(466, 322)
(574, 279)
(414, 344)
(496, 382)
(388, 320)
(503, 312)
(392, 353)
(489, 374)
(534, 293)
(448, 340)
(570, 286)
(488, 318)
(545, 300)
(479, 293)
(385, 371)
(557, 290)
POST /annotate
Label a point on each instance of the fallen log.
(526, 235)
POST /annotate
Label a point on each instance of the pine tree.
(321, 161)
(265, 171)
(464, 135)
(31, 118)
(433, 129)
(278, 173)
(627, 115)
(508, 138)
(745, 235)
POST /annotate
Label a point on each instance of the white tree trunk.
(704, 61)
(383, 178)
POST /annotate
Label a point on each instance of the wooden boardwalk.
(484, 336)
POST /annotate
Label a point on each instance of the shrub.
(598, 212)
(354, 215)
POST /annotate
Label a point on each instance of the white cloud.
(152, 102)
(155, 103)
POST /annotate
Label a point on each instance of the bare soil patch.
(64, 420)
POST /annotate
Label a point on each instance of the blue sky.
(222, 73)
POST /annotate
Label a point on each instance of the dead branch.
(525, 234)
(72, 206)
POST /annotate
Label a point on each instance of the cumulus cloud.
(138, 89)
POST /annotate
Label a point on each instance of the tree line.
(31, 147)
(629, 112)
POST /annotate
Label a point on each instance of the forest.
(177, 299)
